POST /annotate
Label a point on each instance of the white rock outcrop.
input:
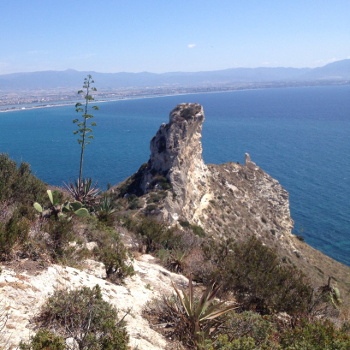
(176, 154)
(22, 295)
(249, 163)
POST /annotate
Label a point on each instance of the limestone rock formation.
(249, 163)
(176, 159)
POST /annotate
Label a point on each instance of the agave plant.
(83, 191)
(200, 317)
(106, 205)
(177, 261)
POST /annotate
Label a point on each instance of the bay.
(300, 136)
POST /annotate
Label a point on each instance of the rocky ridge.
(212, 196)
(230, 200)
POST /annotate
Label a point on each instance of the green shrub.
(132, 197)
(150, 208)
(243, 343)
(249, 325)
(155, 235)
(15, 230)
(106, 217)
(112, 252)
(155, 197)
(19, 184)
(184, 224)
(83, 315)
(165, 185)
(198, 231)
(133, 183)
(61, 233)
(44, 340)
(301, 238)
(162, 181)
(263, 219)
(319, 335)
(27, 211)
(135, 204)
(254, 274)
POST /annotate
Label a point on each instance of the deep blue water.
(300, 136)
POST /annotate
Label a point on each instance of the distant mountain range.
(71, 79)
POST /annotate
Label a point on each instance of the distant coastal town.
(22, 100)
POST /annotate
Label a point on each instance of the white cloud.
(38, 52)
(191, 46)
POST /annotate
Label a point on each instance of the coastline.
(24, 106)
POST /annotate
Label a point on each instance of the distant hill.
(69, 79)
(332, 71)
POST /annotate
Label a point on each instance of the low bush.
(135, 204)
(18, 184)
(247, 328)
(15, 230)
(61, 233)
(112, 252)
(155, 235)
(83, 315)
(162, 181)
(106, 217)
(155, 197)
(184, 224)
(44, 340)
(319, 335)
(301, 238)
(198, 231)
(150, 208)
(255, 275)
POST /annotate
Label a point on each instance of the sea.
(300, 136)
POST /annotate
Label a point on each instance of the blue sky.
(171, 35)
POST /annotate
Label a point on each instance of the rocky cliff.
(230, 200)
(214, 196)
(176, 155)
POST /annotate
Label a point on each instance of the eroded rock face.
(249, 163)
(228, 200)
(176, 159)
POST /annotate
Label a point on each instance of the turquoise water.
(300, 136)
